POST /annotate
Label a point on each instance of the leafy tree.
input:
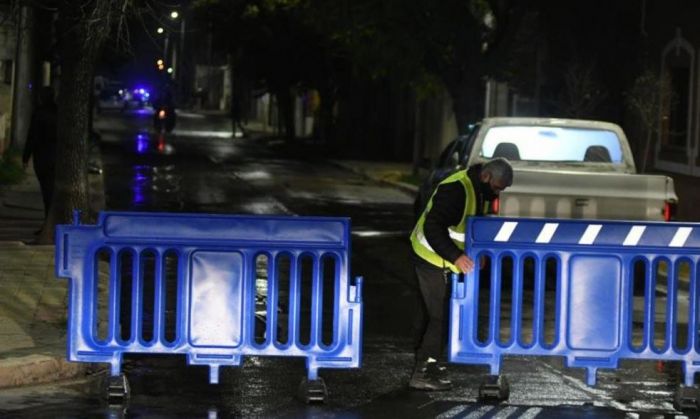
(82, 29)
(645, 99)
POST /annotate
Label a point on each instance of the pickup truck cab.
(563, 168)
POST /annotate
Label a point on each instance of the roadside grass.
(11, 171)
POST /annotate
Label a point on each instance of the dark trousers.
(435, 295)
(45, 175)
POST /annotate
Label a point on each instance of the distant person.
(165, 97)
(41, 144)
(438, 247)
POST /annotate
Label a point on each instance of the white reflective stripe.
(422, 240)
(547, 233)
(591, 233)
(531, 413)
(452, 412)
(479, 412)
(681, 236)
(505, 412)
(634, 235)
(506, 230)
(455, 235)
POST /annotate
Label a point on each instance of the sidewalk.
(390, 173)
(33, 302)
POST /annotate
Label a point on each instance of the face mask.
(487, 192)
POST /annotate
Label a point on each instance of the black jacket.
(447, 209)
(42, 139)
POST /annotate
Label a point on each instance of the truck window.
(552, 144)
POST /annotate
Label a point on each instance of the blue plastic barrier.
(207, 310)
(578, 277)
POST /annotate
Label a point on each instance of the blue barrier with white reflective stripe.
(212, 287)
(567, 288)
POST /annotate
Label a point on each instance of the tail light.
(669, 211)
(161, 114)
(495, 205)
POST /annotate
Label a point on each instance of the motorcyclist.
(164, 102)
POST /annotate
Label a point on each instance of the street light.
(174, 14)
(160, 30)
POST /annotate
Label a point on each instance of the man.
(41, 144)
(438, 246)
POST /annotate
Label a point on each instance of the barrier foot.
(312, 391)
(687, 398)
(495, 387)
(118, 390)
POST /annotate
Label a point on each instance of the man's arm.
(447, 210)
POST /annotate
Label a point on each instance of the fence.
(593, 292)
(212, 287)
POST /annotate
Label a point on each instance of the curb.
(405, 187)
(37, 369)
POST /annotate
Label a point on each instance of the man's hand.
(464, 263)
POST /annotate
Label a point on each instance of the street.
(200, 168)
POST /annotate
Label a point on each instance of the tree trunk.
(83, 30)
(467, 101)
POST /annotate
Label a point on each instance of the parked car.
(110, 98)
(563, 168)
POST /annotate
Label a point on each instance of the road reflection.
(157, 143)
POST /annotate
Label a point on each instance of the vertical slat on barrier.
(126, 258)
(158, 306)
(272, 298)
(99, 331)
(693, 308)
(649, 305)
(294, 286)
(114, 281)
(182, 296)
(538, 310)
(249, 292)
(331, 296)
(495, 312)
(316, 301)
(517, 299)
(682, 337)
(671, 305)
(171, 312)
(137, 298)
(490, 326)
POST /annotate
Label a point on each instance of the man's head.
(495, 176)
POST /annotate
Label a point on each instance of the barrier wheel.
(687, 398)
(495, 388)
(118, 390)
(312, 391)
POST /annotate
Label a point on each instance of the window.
(552, 144)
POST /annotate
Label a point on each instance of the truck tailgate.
(572, 194)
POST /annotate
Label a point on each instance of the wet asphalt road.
(200, 168)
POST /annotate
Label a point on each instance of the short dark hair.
(499, 168)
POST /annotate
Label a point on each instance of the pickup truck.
(563, 168)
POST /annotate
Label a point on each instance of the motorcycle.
(164, 119)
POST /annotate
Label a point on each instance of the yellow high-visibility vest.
(457, 232)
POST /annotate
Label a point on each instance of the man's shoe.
(429, 376)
